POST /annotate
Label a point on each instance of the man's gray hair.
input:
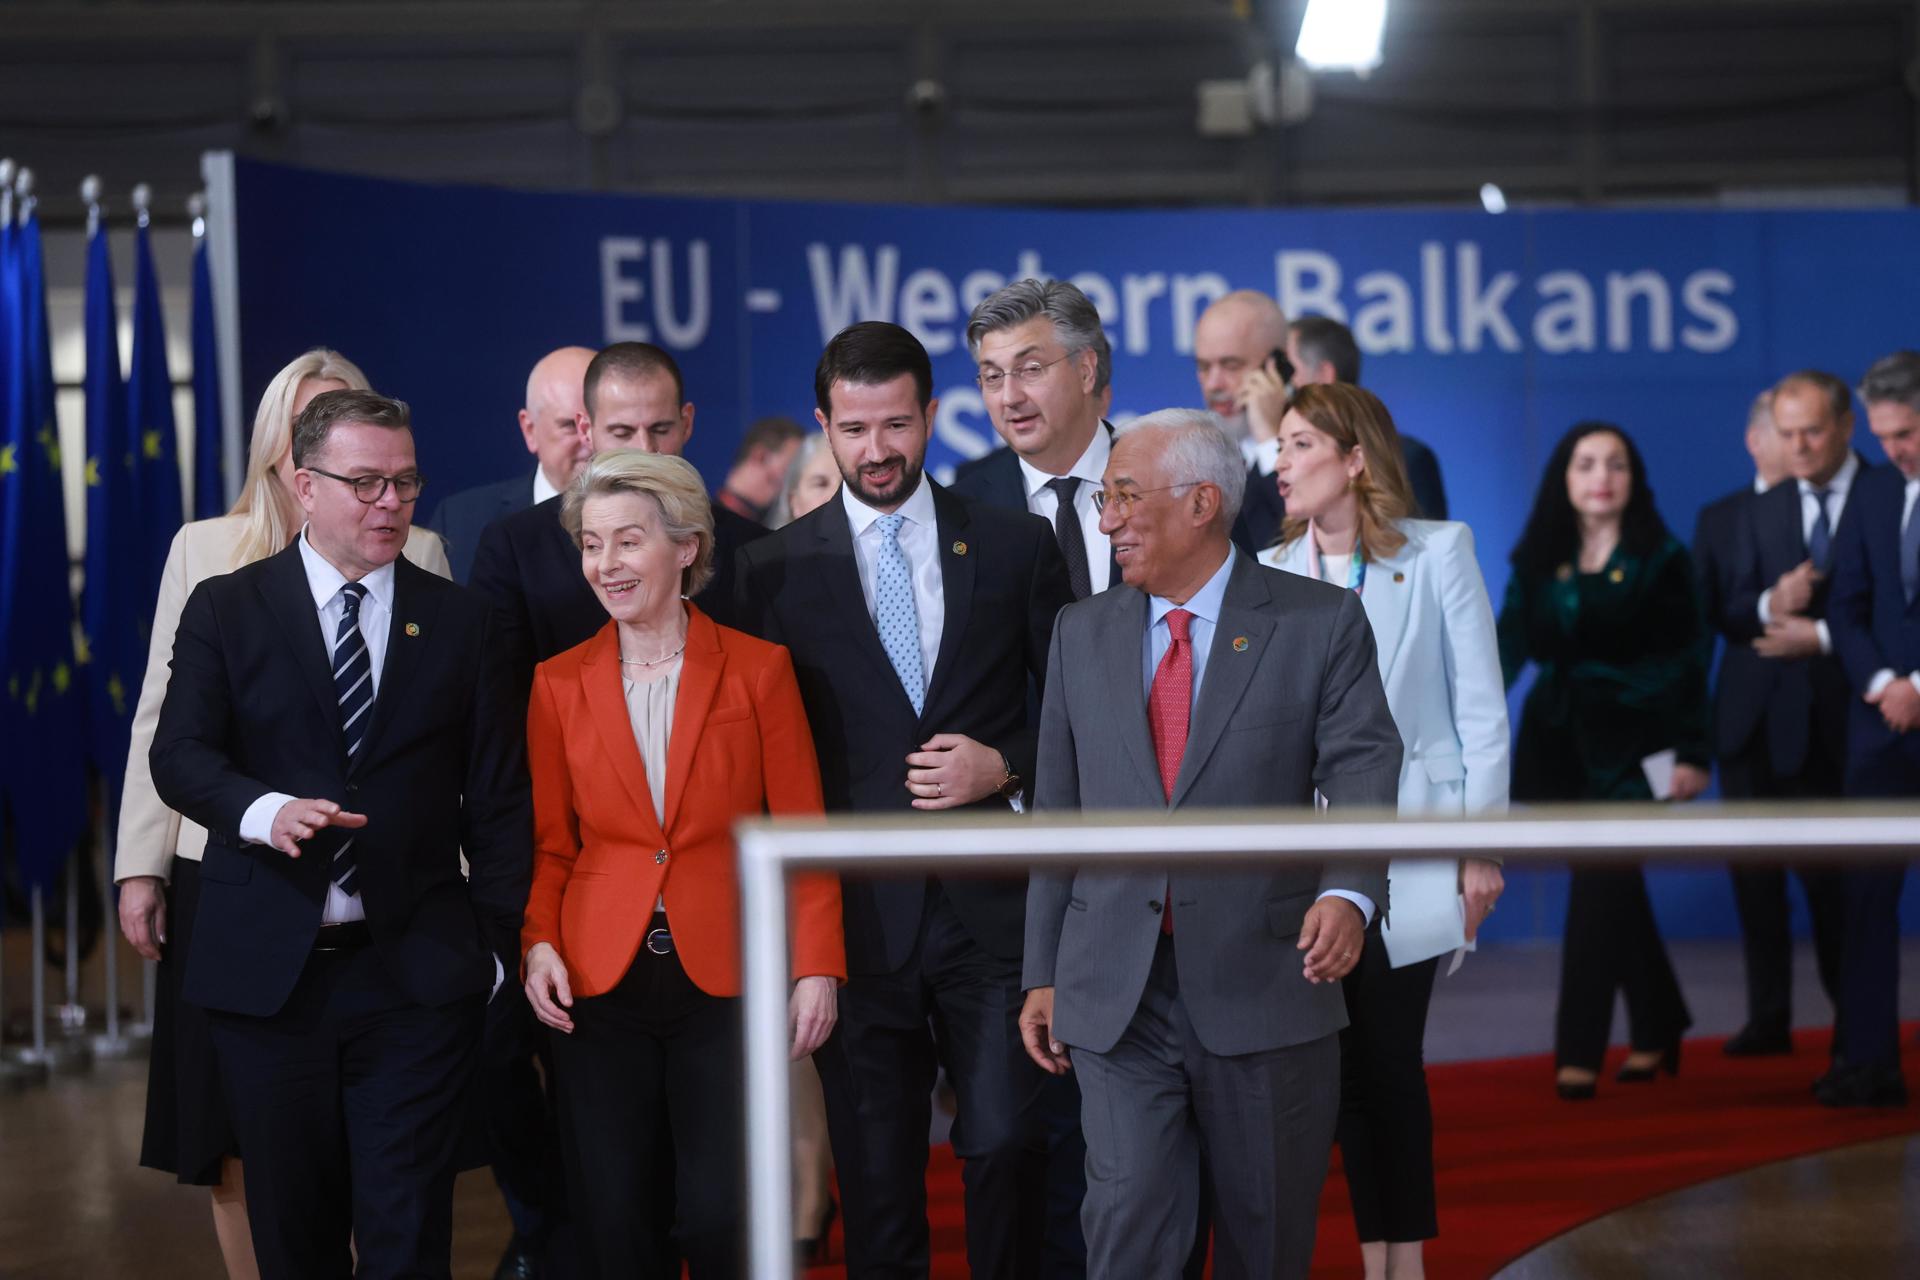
(1895, 377)
(1076, 321)
(1198, 451)
(1761, 410)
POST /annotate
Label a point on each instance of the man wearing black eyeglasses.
(343, 724)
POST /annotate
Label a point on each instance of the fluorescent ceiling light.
(1492, 198)
(1342, 35)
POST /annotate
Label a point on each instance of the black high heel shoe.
(816, 1251)
(1577, 1090)
(1669, 1062)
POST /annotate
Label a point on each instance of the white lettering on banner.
(618, 290)
(1447, 302)
(951, 423)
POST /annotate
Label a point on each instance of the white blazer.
(1440, 661)
(152, 835)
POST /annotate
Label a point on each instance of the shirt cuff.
(1018, 801)
(1359, 900)
(1913, 678)
(1826, 636)
(1881, 679)
(1766, 607)
(256, 824)
(499, 976)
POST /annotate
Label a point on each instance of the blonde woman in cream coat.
(157, 866)
(1347, 501)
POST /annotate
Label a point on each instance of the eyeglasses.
(370, 489)
(1122, 503)
(1025, 374)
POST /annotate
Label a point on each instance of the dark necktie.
(1169, 711)
(1073, 540)
(1820, 541)
(353, 686)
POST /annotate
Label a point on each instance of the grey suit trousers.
(1157, 1104)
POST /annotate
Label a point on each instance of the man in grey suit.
(1200, 1008)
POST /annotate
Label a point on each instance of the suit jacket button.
(1154, 906)
(660, 858)
(352, 787)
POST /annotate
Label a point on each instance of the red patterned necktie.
(1169, 709)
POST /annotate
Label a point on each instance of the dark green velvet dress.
(1622, 655)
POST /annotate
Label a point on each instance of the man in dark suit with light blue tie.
(344, 725)
(549, 424)
(1200, 1009)
(1873, 612)
(917, 621)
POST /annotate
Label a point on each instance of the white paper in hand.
(1659, 770)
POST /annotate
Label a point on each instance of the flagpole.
(15, 1071)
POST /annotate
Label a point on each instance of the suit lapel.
(607, 703)
(1778, 528)
(700, 670)
(1120, 676)
(291, 601)
(412, 606)
(956, 585)
(1387, 598)
(1230, 667)
(833, 534)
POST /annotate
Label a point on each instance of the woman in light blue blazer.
(1345, 487)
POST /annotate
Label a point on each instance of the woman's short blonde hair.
(674, 486)
(1355, 416)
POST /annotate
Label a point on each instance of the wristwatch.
(1011, 785)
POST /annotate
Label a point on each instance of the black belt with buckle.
(343, 937)
(659, 939)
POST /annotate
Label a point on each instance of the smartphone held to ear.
(1282, 365)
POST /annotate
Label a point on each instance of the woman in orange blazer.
(646, 743)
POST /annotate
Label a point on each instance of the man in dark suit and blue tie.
(917, 621)
(343, 724)
(1873, 612)
(1783, 730)
(550, 426)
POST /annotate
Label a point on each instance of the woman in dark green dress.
(1602, 601)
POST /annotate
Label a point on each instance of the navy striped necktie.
(353, 686)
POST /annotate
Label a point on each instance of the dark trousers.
(955, 1006)
(654, 1058)
(1883, 766)
(1612, 943)
(348, 1103)
(1386, 1117)
(1760, 892)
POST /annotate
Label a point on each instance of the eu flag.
(156, 457)
(209, 437)
(110, 620)
(45, 779)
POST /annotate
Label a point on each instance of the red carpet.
(1517, 1166)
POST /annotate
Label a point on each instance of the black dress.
(1622, 657)
(187, 1132)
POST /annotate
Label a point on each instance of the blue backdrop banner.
(1487, 335)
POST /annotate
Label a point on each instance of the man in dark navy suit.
(550, 425)
(1873, 612)
(918, 621)
(344, 726)
(1782, 713)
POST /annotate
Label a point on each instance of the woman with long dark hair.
(1602, 601)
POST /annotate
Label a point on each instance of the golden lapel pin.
(959, 548)
(1617, 575)
(1239, 644)
(413, 628)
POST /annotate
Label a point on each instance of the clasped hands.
(951, 769)
(1791, 634)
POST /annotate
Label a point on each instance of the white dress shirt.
(1205, 607)
(920, 542)
(376, 614)
(1091, 471)
(542, 487)
(1261, 455)
(1886, 675)
(1837, 490)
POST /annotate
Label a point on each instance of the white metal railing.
(769, 851)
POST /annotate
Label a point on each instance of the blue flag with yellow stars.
(45, 721)
(156, 453)
(112, 653)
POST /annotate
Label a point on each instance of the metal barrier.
(769, 851)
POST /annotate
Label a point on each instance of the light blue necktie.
(895, 612)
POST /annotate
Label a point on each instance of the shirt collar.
(542, 487)
(1206, 602)
(325, 581)
(917, 509)
(1842, 479)
(1091, 466)
(1759, 485)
